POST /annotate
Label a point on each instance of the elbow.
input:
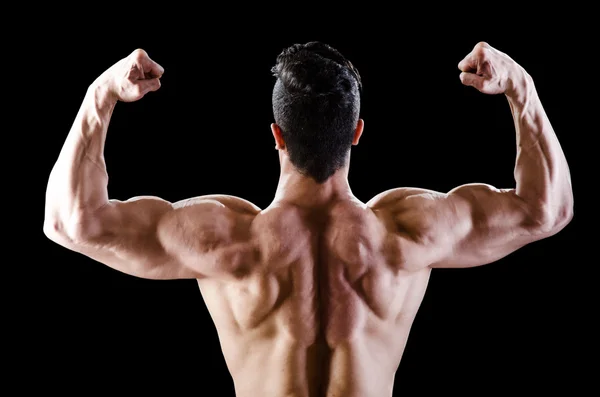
(549, 221)
(564, 217)
(56, 230)
(52, 228)
(74, 231)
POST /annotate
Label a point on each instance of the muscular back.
(319, 304)
(309, 301)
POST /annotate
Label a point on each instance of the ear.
(279, 143)
(359, 130)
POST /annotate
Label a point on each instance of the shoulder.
(413, 213)
(220, 214)
(218, 201)
(400, 199)
(207, 222)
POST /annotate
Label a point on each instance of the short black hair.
(316, 103)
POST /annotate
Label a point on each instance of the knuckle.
(481, 53)
(139, 53)
(481, 48)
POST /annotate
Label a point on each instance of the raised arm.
(476, 224)
(144, 236)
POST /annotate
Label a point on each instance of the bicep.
(125, 235)
(472, 225)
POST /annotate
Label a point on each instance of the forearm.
(541, 170)
(78, 182)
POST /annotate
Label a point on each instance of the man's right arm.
(476, 224)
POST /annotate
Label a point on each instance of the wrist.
(102, 95)
(520, 85)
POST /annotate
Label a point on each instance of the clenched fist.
(488, 70)
(132, 77)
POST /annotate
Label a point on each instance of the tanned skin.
(314, 295)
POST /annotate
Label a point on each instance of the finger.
(473, 80)
(469, 63)
(135, 72)
(145, 86)
(148, 66)
(156, 69)
(151, 68)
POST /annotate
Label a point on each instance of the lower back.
(286, 369)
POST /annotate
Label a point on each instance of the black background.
(516, 325)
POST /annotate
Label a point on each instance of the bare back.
(314, 300)
(321, 306)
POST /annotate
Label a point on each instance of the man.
(315, 294)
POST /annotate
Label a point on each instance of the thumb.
(145, 86)
(471, 79)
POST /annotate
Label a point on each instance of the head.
(316, 104)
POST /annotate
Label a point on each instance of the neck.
(297, 189)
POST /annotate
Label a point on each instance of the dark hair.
(316, 103)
